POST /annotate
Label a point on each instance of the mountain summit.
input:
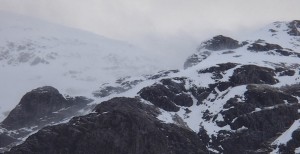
(233, 96)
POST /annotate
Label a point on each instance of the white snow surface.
(35, 53)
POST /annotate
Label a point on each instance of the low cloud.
(170, 27)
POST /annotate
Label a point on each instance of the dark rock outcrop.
(219, 70)
(264, 47)
(160, 96)
(121, 125)
(261, 128)
(285, 71)
(195, 59)
(256, 97)
(293, 28)
(221, 42)
(34, 105)
(264, 95)
(167, 94)
(293, 89)
(252, 74)
(40, 106)
(265, 113)
(200, 93)
(261, 46)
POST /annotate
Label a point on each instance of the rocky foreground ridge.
(231, 97)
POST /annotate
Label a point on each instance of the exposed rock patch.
(34, 105)
(221, 42)
(40, 103)
(264, 47)
(195, 59)
(293, 28)
(264, 113)
(285, 71)
(160, 96)
(252, 74)
(217, 71)
(167, 94)
(40, 107)
(293, 89)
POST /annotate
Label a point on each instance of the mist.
(167, 28)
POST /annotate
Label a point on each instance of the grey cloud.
(170, 26)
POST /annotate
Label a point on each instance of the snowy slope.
(270, 48)
(35, 53)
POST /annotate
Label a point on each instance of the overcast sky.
(172, 26)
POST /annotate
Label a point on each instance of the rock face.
(264, 113)
(221, 42)
(264, 47)
(217, 43)
(38, 104)
(294, 26)
(120, 125)
(168, 95)
(37, 108)
(35, 105)
(195, 59)
(252, 74)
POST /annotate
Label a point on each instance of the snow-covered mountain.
(241, 96)
(234, 95)
(35, 53)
